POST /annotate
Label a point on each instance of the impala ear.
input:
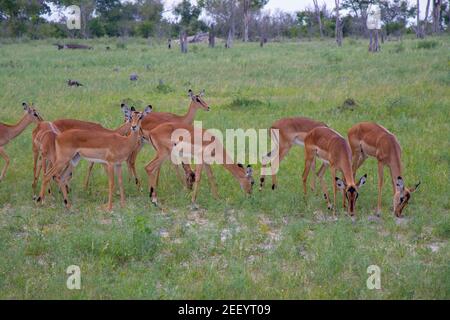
(399, 184)
(126, 111)
(340, 184)
(133, 109)
(147, 110)
(202, 93)
(191, 94)
(249, 171)
(414, 189)
(25, 106)
(362, 181)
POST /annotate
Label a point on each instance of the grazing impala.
(109, 148)
(45, 133)
(335, 153)
(9, 132)
(161, 139)
(157, 118)
(292, 131)
(370, 139)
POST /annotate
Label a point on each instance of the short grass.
(275, 244)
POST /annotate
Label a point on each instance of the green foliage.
(427, 44)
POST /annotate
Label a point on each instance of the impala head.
(197, 100)
(32, 112)
(402, 195)
(246, 178)
(351, 192)
(136, 118)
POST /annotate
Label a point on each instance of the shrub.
(427, 44)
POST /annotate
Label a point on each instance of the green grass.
(272, 245)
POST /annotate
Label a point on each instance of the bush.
(427, 44)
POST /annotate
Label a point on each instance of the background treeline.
(227, 19)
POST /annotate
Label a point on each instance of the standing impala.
(157, 118)
(335, 153)
(9, 132)
(44, 135)
(161, 139)
(370, 139)
(292, 131)
(109, 148)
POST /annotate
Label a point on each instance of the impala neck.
(190, 115)
(235, 170)
(19, 127)
(123, 129)
(346, 167)
(395, 165)
(230, 166)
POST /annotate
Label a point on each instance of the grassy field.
(275, 244)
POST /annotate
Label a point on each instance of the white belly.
(299, 142)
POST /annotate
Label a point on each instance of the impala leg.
(309, 159)
(56, 170)
(284, 149)
(198, 176)
(44, 166)
(323, 185)
(380, 186)
(7, 161)
(131, 162)
(189, 175)
(37, 173)
(212, 181)
(35, 168)
(333, 178)
(120, 181)
(88, 175)
(152, 171)
(110, 170)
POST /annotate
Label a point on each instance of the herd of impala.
(59, 145)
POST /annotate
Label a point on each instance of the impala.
(9, 132)
(44, 135)
(161, 139)
(157, 118)
(109, 148)
(370, 139)
(292, 131)
(334, 151)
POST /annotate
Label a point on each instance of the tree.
(17, 16)
(319, 20)
(87, 8)
(188, 15)
(437, 6)
(247, 7)
(224, 13)
(338, 29)
(395, 15)
(359, 9)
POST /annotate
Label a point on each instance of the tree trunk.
(319, 20)
(374, 45)
(183, 42)
(211, 37)
(337, 31)
(418, 27)
(229, 43)
(425, 20)
(437, 16)
(246, 19)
